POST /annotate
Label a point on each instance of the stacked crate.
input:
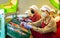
(2, 25)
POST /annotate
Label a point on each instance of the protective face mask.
(44, 14)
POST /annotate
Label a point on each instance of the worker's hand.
(28, 26)
(29, 23)
(28, 20)
(22, 24)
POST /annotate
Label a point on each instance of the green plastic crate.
(15, 34)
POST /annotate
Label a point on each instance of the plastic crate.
(14, 19)
(14, 34)
(2, 25)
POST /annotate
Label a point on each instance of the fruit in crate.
(24, 29)
(8, 20)
(15, 25)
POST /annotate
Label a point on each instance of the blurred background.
(24, 5)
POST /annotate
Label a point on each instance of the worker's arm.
(49, 28)
(37, 23)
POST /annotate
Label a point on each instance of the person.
(57, 19)
(47, 25)
(52, 13)
(28, 13)
(35, 15)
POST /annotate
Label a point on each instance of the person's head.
(52, 11)
(28, 13)
(58, 12)
(45, 10)
(33, 9)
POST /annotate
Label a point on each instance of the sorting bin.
(17, 32)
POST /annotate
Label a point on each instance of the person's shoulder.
(57, 18)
